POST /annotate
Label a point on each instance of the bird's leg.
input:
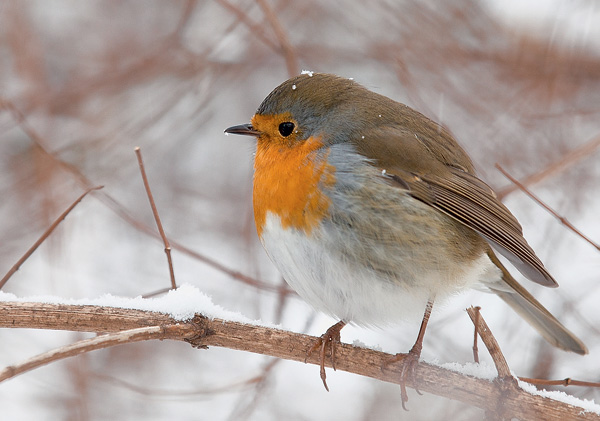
(410, 361)
(331, 337)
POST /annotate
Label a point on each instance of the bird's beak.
(245, 129)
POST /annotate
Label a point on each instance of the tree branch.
(503, 399)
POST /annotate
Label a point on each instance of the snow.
(488, 372)
(587, 405)
(480, 370)
(307, 72)
(181, 304)
(359, 344)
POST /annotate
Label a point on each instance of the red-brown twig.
(475, 347)
(242, 16)
(193, 394)
(490, 342)
(562, 219)
(565, 382)
(157, 292)
(556, 168)
(138, 153)
(43, 237)
(121, 211)
(99, 342)
(287, 49)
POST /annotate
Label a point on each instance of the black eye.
(286, 128)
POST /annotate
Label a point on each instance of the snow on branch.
(500, 396)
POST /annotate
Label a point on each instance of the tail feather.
(520, 300)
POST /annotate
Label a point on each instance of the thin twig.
(565, 382)
(490, 342)
(242, 16)
(289, 53)
(245, 407)
(565, 162)
(475, 347)
(193, 394)
(99, 342)
(156, 293)
(43, 237)
(562, 219)
(138, 153)
(188, 10)
(121, 211)
(282, 297)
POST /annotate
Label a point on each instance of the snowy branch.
(502, 398)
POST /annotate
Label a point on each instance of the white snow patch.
(480, 370)
(307, 72)
(360, 344)
(488, 372)
(586, 405)
(181, 304)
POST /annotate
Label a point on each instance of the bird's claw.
(331, 338)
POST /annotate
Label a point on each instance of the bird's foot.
(410, 362)
(330, 339)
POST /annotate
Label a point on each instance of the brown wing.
(470, 201)
(423, 158)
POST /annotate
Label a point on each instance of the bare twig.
(157, 292)
(43, 237)
(227, 388)
(562, 219)
(99, 342)
(490, 342)
(188, 9)
(242, 16)
(120, 210)
(246, 406)
(475, 324)
(565, 382)
(287, 49)
(138, 153)
(567, 161)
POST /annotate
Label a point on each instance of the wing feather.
(470, 201)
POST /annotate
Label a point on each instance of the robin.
(372, 211)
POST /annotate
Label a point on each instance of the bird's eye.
(286, 128)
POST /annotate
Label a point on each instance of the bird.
(372, 212)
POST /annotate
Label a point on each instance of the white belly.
(352, 291)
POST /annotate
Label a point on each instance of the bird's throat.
(289, 182)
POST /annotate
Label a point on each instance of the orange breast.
(288, 180)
